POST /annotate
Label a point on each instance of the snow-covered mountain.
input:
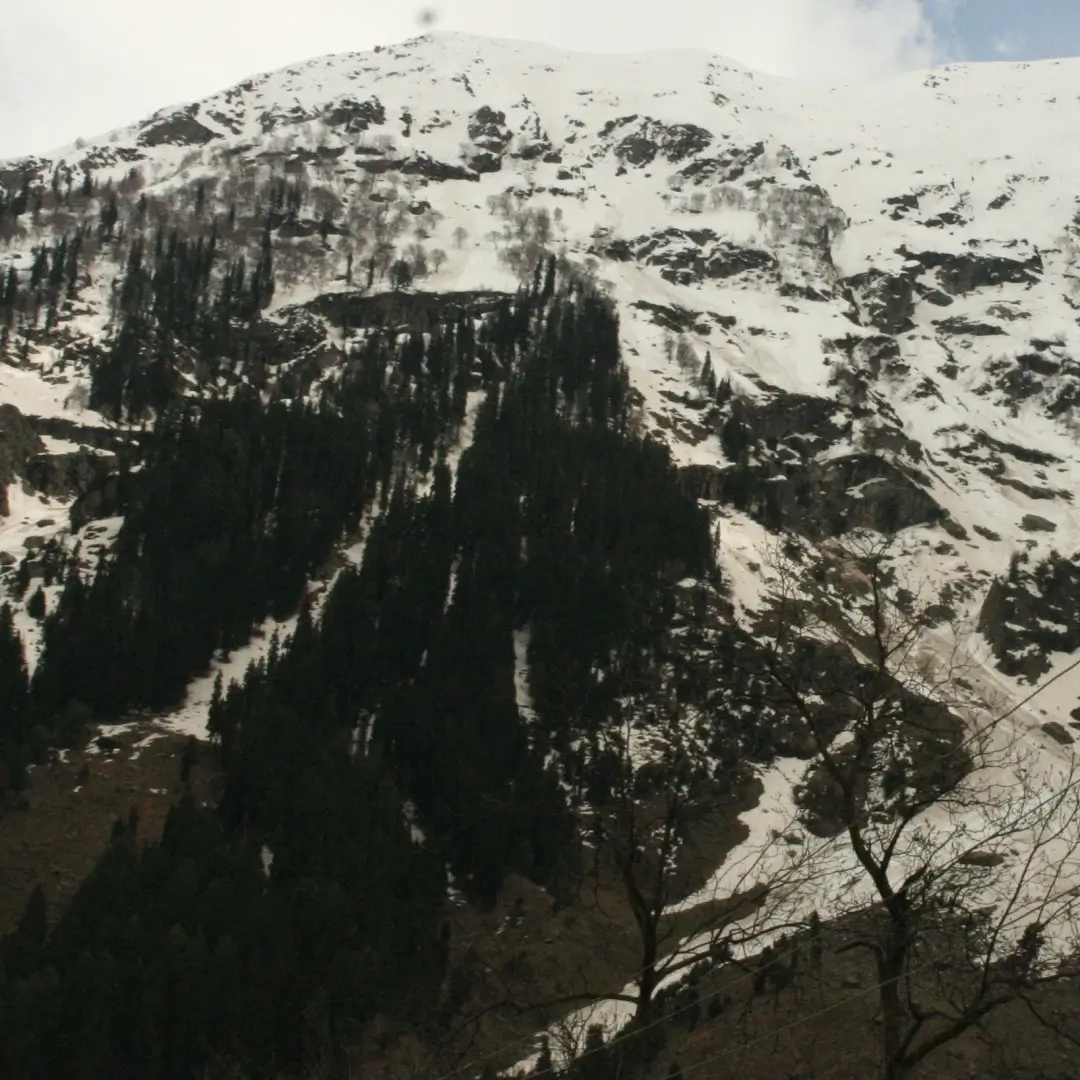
(849, 307)
(885, 274)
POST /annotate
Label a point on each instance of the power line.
(618, 1038)
(812, 1016)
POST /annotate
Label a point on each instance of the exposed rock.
(687, 255)
(317, 156)
(487, 129)
(932, 295)
(1041, 365)
(945, 218)
(1057, 731)
(901, 205)
(1037, 523)
(804, 422)
(109, 497)
(875, 352)
(64, 475)
(722, 169)
(531, 149)
(19, 442)
(418, 164)
(818, 500)
(1034, 492)
(887, 300)
(958, 324)
(355, 115)
(484, 161)
(651, 138)
(1032, 612)
(1022, 453)
(961, 273)
(126, 445)
(672, 317)
(179, 129)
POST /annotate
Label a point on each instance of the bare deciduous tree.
(655, 817)
(958, 836)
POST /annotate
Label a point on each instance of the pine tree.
(401, 274)
(35, 606)
(708, 377)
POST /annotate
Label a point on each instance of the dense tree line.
(394, 708)
(17, 737)
(172, 307)
(560, 521)
(179, 956)
(53, 278)
(238, 505)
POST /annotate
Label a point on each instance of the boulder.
(1057, 732)
(1037, 523)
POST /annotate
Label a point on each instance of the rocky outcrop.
(487, 129)
(353, 115)
(964, 272)
(346, 114)
(1032, 612)
(958, 326)
(490, 138)
(819, 500)
(179, 129)
(725, 168)
(672, 317)
(108, 496)
(641, 140)
(418, 164)
(886, 301)
(484, 161)
(688, 255)
(19, 443)
(74, 473)
(791, 469)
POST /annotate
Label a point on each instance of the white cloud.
(70, 67)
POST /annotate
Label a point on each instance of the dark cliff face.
(19, 444)
(688, 255)
(180, 129)
(791, 470)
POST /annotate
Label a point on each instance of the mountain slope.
(838, 309)
(906, 250)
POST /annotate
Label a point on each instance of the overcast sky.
(80, 67)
